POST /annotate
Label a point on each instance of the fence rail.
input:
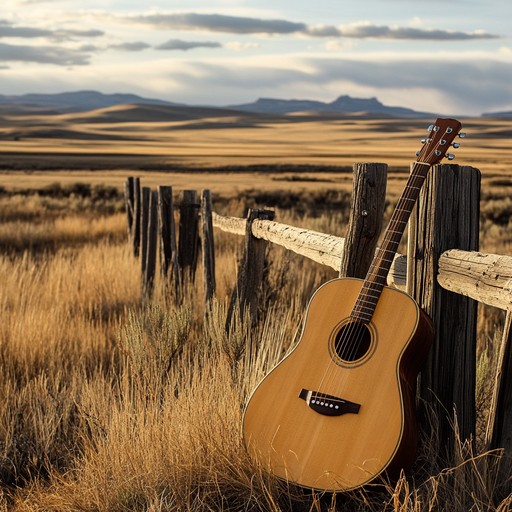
(320, 247)
(486, 278)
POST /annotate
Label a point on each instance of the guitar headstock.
(441, 137)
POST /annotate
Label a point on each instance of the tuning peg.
(462, 135)
(450, 156)
(425, 140)
(442, 142)
(433, 128)
(418, 152)
(455, 145)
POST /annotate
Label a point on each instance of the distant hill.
(498, 114)
(144, 112)
(81, 101)
(344, 104)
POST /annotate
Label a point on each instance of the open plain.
(188, 146)
(112, 402)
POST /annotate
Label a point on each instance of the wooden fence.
(443, 271)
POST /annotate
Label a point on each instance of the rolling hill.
(81, 101)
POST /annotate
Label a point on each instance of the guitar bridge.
(328, 405)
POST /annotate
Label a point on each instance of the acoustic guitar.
(338, 412)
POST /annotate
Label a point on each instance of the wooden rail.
(486, 278)
(320, 247)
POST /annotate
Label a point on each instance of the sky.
(447, 57)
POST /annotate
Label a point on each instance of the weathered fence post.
(447, 217)
(144, 222)
(168, 252)
(151, 240)
(366, 216)
(132, 201)
(189, 235)
(208, 248)
(250, 271)
(499, 428)
(128, 201)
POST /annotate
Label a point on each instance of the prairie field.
(114, 402)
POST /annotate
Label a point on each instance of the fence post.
(208, 248)
(189, 234)
(250, 271)
(366, 217)
(133, 211)
(168, 252)
(128, 201)
(499, 427)
(447, 217)
(144, 222)
(151, 241)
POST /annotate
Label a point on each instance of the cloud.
(364, 31)
(423, 81)
(24, 32)
(178, 44)
(7, 29)
(42, 55)
(246, 25)
(137, 46)
(220, 23)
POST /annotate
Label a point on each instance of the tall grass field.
(111, 402)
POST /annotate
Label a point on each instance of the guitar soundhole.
(353, 341)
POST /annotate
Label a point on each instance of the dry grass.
(115, 404)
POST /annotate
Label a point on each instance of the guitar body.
(335, 419)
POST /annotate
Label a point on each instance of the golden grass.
(123, 143)
(115, 404)
(212, 141)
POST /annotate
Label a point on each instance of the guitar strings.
(352, 337)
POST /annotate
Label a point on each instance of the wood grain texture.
(320, 247)
(188, 244)
(499, 428)
(343, 452)
(366, 217)
(207, 246)
(447, 217)
(483, 277)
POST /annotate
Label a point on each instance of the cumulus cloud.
(42, 55)
(419, 81)
(366, 30)
(220, 23)
(246, 25)
(7, 29)
(136, 46)
(178, 44)
(23, 32)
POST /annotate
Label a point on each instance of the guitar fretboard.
(377, 274)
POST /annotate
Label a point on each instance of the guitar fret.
(374, 272)
(395, 231)
(368, 298)
(376, 277)
(369, 312)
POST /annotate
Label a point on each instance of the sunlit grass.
(113, 403)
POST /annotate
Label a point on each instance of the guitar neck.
(377, 274)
